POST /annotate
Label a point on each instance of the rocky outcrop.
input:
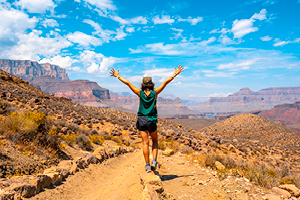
(289, 114)
(247, 100)
(27, 69)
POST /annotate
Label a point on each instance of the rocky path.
(115, 178)
(119, 178)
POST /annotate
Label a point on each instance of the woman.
(147, 114)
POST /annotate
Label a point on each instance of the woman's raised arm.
(178, 70)
(126, 82)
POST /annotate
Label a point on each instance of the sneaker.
(148, 168)
(153, 165)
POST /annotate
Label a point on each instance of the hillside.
(289, 114)
(247, 100)
(254, 127)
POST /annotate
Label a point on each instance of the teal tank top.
(148, 106)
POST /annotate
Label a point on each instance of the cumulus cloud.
(159, 48)
(165, 19)
(266, 38)
(13, 23)
(220, 94)
(83, 39)
(97, 62)
(31, 46)
(49, 23)
(135, 20)
(130, 29)
(245, 26)
(36, 6)
(64, 62)
(191, 20)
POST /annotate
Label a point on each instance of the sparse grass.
(255, 172)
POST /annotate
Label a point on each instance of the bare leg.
(145, 140)
(154, 143)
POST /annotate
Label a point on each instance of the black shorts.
(144, 124)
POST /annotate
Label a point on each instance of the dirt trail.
(119, 178)
(115, 179)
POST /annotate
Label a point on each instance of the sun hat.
(147, 80)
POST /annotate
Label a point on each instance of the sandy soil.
(119, 178)
(115, 179)
(195, 124)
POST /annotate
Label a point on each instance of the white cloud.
(102, 68)
(106, 63)
(178, 34)
(130, 29)
(64, 62)
(165, 19)
(135, 78)
(209, 41)
(120, 34)
(119, 19)
(261, 15)
(210, 73)
(50, 23)
(266, 38)
(245, 26)
(104, 6)
(161, 73)
(93, 68)
(31, 46)
(281, 43)
(87, 57)
(37, 6)
(13, 23)
(97, 62)
(83, 39)
(105, 35)
(242, 65)
(160, 48)
(224, 39)
(139, 20)
(191, 20)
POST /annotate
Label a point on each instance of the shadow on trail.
(171, 177)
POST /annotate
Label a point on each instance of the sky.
(223, 45)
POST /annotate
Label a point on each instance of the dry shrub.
(83, 142)
(69, 139)
(96, 139)
(117, 140)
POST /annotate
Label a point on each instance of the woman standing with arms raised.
(147, 114)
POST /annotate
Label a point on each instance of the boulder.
(291, 189)
(281, 192)
(80, 163)
(271, 197)
(55, 177)
(168, 152)
(22, 189)
(4, 195)
(149, 193)
(219, 165)
(91, 159)
(153, 180)
(67, 164)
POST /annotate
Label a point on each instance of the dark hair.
(149, 85)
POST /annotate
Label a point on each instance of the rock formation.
(289, 114)
(247, 100)
(27, 69)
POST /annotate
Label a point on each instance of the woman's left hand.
(114, 73)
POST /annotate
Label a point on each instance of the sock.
(154, 160)
(147, 164)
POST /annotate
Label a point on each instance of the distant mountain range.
(54, 80)
(246, 100)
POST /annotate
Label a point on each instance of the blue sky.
(224, 45)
